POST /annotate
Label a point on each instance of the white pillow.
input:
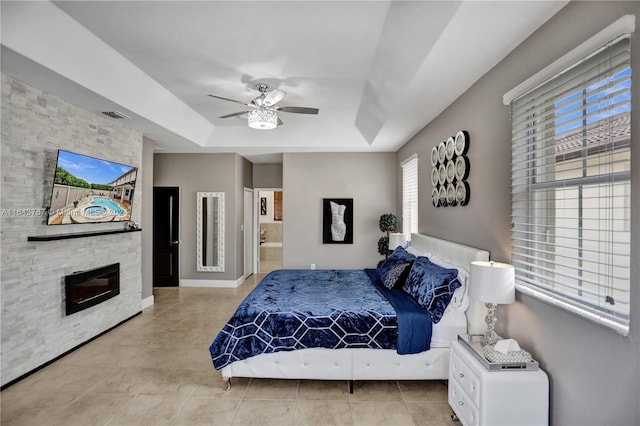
(417, 252)
(460, 298)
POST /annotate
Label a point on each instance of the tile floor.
(156, 370)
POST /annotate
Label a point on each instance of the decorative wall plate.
(435, 197)
(442, 152)
(443, 196)
(462, 167)
(451, 171)
(451, 195)
(442, 171)
(450, 148)
(434, 156)
(462, 142)
(462, 193)
(435, 176)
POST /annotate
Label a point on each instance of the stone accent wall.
(34, 328)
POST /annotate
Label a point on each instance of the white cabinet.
(479, 396)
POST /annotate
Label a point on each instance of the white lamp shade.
(492, 282)
(397, 239)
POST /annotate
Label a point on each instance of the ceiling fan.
(263, 109)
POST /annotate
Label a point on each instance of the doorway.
(270, 223)
(166, 236)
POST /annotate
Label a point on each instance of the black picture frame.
(327, 237)
(263, 206)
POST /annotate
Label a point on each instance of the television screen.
(91, 190)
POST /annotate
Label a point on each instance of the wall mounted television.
(91, 190)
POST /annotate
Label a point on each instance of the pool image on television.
(91, 190)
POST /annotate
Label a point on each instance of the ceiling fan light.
(263, 119)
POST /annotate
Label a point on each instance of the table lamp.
(492, 283)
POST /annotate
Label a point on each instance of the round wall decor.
(450, 148)
(435, 197)
(434, 156)
(462, 168)
(450, 171)
(442, 152)
(462, 142)
(462, 193)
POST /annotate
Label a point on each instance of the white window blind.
(571, 187)
(410, 195)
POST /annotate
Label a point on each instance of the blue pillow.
(394, 269)
(432, 286)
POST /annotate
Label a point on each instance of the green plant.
(388, 223)
(383, 246)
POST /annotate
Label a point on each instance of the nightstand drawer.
(464, 408)
(466, 379)
(480, 396)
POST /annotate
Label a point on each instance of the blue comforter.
(297, 309)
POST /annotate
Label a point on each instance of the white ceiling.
(379, 71)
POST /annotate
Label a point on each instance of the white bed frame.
(368, 364)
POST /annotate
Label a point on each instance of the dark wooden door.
(166, 236)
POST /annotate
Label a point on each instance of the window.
(571, 187)
(410, 195)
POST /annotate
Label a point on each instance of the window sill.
(586, 314)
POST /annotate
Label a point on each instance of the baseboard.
(147, 301)
(211, 283)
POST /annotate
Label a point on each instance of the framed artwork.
(263, 206)
(337, 220)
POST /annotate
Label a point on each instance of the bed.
(257, 350)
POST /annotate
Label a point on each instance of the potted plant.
(388, 223)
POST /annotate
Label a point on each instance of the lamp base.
(490, 336)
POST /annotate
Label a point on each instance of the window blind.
(571, 187)
(410, 195)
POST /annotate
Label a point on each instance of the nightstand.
(481, 393)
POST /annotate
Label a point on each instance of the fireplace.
(88, 288)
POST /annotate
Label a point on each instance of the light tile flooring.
(156, 370)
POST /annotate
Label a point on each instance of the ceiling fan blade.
(280, 123)
(298, 110)
(227, 99)
(274, 97)
(233, 114)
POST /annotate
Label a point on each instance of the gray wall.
(594, 373)
(267, 175)
(35, 329)
(308, 178)
(194, 173)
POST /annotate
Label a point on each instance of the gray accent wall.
(594, 373)
(267, 175)
(35, 329)
(193, 173)
(368, 178)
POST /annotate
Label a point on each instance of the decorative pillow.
(460, 298)
(431, 286)
(395, 268)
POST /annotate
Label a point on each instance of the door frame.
(256, 226)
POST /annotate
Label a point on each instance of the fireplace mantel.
(55, 237)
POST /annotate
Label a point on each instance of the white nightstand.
(514, 395)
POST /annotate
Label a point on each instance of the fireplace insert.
(88, 288)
